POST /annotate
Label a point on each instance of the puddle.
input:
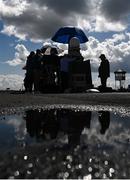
(64, 143)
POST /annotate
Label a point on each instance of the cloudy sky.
(26, 25)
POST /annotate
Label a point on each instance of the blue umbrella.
(64, 34)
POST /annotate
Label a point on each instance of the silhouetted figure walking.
(104, 70)
(104, 119)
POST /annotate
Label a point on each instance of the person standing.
(104, 70)
(29, 80)
(73, 55)
(37, 70)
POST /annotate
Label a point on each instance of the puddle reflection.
(49, 124)
(64, 125)
(65, 143)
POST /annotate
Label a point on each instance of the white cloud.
(19, 126)
(39, 20)
(12, 7)
(104, 25)
(12, 30)
(20, 55)
(119, 37)
(85, 24)
(12, 81)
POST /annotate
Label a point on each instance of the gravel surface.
(92, 101)
(13, 99)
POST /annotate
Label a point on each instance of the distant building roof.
(120, 71)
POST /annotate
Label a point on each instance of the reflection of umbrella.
(64, 34)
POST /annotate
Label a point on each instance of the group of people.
(41, 70)
(48, 72)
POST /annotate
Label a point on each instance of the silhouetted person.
(56, 64)
(37, 70)
(104, 70)
(50, 64)
(64, 71)
(29, 80)
(73, 55)
(104, 119)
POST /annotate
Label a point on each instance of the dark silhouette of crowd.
(47, 72)
(42, 70)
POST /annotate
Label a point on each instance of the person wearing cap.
(104, 70)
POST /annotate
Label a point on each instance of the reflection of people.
(104, 119)
(104, 70)
(73, 123)
(40, 124)
(77, 122)
(47, 123)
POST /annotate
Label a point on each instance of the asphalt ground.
(111, 99)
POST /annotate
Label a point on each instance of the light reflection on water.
(66, 143)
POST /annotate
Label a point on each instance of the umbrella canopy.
(64, 34)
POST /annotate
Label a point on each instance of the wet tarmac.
(65, 141)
